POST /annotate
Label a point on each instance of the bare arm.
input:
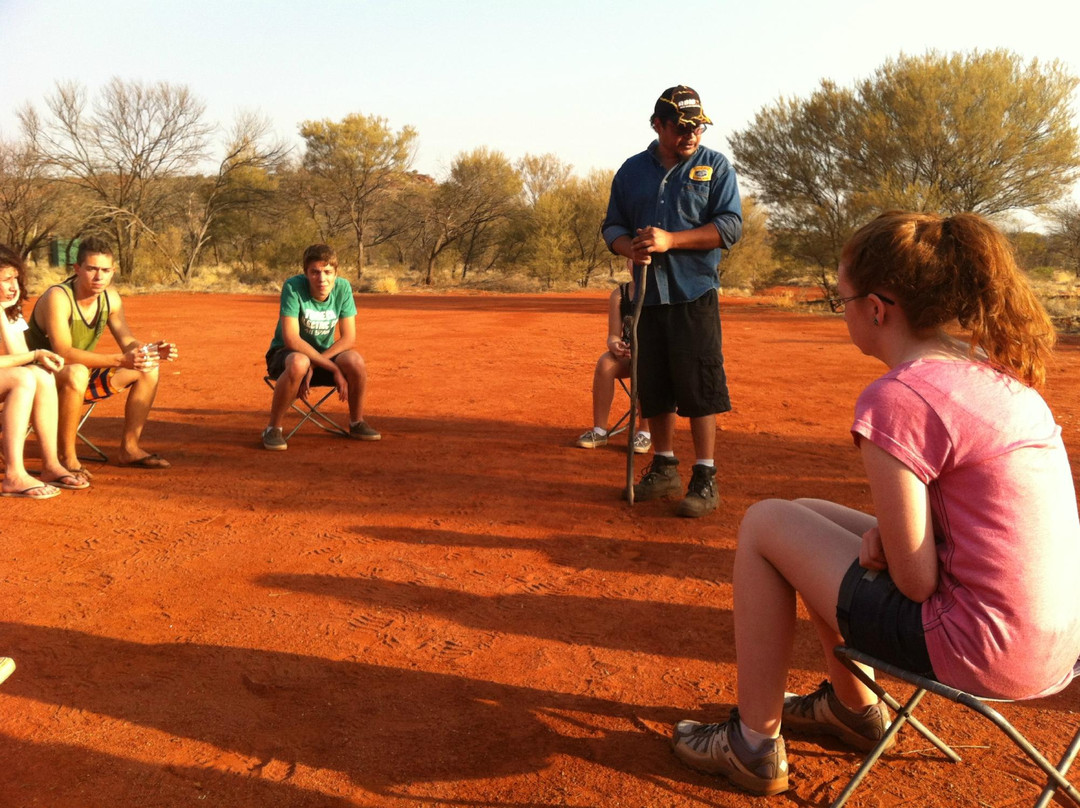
(53, 314)
(615, 342)
(905, 533)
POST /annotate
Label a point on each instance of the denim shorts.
(878, 619)
(275, 366)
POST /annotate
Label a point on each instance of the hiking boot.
(361, 431)
(273, 439)
(720, 749)
(592, 439)
(822, 713)
(7, 667)
(701, 496)
(660, 478)
(642, 443)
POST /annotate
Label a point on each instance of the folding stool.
(624, 422)
(849, 657)
(78, 432)
(312, 413)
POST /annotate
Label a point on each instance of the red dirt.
(464, 613)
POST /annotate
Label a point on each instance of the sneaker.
(273, 439)
(701, 496)
(361, 431)
(642, 443)
(720, 749)
(592, 439)
(7, 667)
(661, 477)
(822, 713)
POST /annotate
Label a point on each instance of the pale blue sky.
(576, 78)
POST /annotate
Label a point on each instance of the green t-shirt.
(317, 318)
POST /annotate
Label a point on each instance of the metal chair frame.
(849, 657)
(312, 413)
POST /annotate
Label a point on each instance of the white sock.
(645, 433)
(710, 463)
(754, 739)
(599, 430)
(670, 453)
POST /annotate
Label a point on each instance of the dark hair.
(9, 259)
(320, 252)
(955, 269)
(92, 246)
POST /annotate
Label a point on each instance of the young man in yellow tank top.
(69, 319)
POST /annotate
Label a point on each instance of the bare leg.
(784, 548)
(286, 386)
(663, 432)
(142, 388)
(45, 417)
(71, 385)
(703, 430)
(608, 369)
(17, 392)
(352, 366)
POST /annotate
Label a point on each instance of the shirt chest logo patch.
(701, 173)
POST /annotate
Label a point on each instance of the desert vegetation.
(190, 204)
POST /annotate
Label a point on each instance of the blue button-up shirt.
(700, 189)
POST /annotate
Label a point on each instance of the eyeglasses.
(691, 129)
(837, 303)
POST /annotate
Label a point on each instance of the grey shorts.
(878, 619)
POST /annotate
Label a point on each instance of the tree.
(123, 153)
(1065, 233)
(540, 174)
(30, 208)
(981, 132)
(242, 180)
(355, 167)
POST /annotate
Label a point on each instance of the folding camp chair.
(624, 422)
(849, 657)
(312, 413)
(100, 455)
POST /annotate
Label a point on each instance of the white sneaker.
(642, 443)
(592, 439)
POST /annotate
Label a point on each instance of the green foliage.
(980, 132)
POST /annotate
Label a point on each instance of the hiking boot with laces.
(660, 478)
(642, 443)
(822, 713)
(592, 440)
(720, 749)
(701, 496)
(273, 439)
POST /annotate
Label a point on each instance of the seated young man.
(316, 307)
(69, 320)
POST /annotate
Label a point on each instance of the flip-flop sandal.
(82, 473)
(78, 482)
(151, 461)
(52, 491)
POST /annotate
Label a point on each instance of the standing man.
(673, 208)
(69, 319)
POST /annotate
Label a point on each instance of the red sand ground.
(462, 614)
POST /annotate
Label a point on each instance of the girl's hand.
(52, 362)
(872, 553)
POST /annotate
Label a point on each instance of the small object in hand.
(151, 356)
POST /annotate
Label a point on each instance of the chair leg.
(100, 455)
(622, 424)
(316, 417)
(1052, 786)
